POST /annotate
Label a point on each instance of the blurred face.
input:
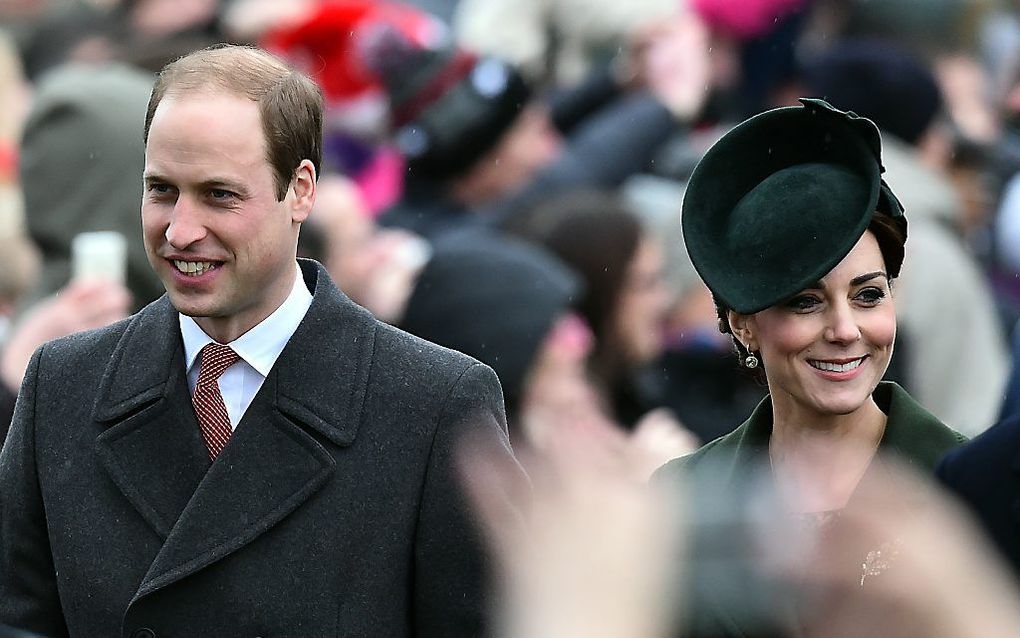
(644, 300)
(214, 232)
(529, 145)
(826, 349)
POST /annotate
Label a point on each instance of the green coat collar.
(912, 433)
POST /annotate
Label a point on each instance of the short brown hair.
(290, 104)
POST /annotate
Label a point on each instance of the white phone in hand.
(99, 255)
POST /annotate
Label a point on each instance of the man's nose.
(186, 225)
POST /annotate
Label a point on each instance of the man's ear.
(744, 328)
(302, 188)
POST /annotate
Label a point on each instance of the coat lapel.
(152, 447)
(279, 454)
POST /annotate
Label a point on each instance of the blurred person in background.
(512, 305)
(700, 379)
(68, 33)
(19, 263)
(625, 297)
(983, 474)
(376, 267)
(503, 302)
(957, 361)
(152, 33)
(557, 42)
(77, 153)
(788, 221)
(18, 259)
(480, 148)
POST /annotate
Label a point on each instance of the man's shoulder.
(92, 349)
(996, 449)
(397, 348)
(92, 346)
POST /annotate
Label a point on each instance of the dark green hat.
(781, 199)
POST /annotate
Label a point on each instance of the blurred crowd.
(504, 177)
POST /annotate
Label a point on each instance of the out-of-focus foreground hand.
(660, 437)
(586, 549)
(81, 305)
(905, 560)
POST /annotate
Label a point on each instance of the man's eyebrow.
(215, 182)
(223, 183)
(857, 281)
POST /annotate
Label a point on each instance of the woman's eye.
(870, 295)
(803, 302)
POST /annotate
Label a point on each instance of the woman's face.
(644, 299)
(826, 349)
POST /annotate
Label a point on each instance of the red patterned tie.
(208, 402)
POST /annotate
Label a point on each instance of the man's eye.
(157, 189)
(218, 193)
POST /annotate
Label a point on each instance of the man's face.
(214, 231)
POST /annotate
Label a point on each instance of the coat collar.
(150, 354)
(912, 433)
(153, 450)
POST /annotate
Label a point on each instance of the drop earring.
(750, 361)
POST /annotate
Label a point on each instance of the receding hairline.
(224, 68)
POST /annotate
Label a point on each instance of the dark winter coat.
(334, 509)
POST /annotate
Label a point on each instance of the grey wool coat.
(335, 510)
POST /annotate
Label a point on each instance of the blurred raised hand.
(586, 549)
(81, 305)
(905, 560)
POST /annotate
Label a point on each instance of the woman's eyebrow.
(857, 281)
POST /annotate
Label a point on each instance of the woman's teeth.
(836, 367)
(194, 268)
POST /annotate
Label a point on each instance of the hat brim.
(780, 200)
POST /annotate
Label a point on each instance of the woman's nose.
(842, 325)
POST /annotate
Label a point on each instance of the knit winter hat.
(448, 107)
(492, 298)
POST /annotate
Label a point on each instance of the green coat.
(912, 434)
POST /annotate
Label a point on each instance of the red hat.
(327, 45)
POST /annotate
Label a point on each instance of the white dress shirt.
(259, 348)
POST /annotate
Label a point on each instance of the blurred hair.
(290, 104)
(597, 236)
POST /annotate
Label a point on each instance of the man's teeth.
(837, 367)
(194, 267)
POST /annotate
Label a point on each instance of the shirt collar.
(261, 346)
